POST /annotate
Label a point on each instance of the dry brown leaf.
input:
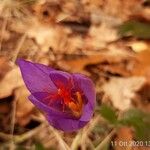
(113, 61)
(111, 8)
(11, 81)
(143, 14)
(4, 66)
(47, 37)
(124, 134)
(124, 139)
(138, 46)
(142, 100)
(119, 60)
(99, 36)
(77, 65)
(124, 7)
(4, 108)
(121, 91)
(24, 107)
(79, 11)
(47, 12)
(142, 68)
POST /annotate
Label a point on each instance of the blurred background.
(107, 40)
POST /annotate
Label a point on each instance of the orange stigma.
(74, 104)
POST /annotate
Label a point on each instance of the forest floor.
(107, 40)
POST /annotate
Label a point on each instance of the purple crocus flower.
(68, 100)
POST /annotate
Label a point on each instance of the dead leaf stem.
(4, 25)
(18, 48)
(21, 138)
(62, 143)
(106, 140)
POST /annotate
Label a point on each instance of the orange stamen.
(74, 105)
(77, 107)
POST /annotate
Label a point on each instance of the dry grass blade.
(92, 124)
(24, 136)
(90, 144)
(12, 125)
(106, 140)
(13, 9)
(83, 134)
(3, 31)
(16, 52)
(29, 134)
(76, 141)
(62, 143)
(86, 132)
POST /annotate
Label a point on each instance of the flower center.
(74, 104)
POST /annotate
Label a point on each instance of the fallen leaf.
(11, 81)
(4, 108)
(138, 46)
(49, 36)
(78, 64)
(4, 66)
(142, 67)
(24, 107)
(113, 61)
(124, 139)
(99, 36)
(120, 91)
(124, 135)
(47, 12)
(111, 8)
(142, 100)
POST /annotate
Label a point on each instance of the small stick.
(89, 129)
(76, 141)
(3, 31)
(12, 124)
(106, 140)
(83, 135)
(24, 136)
(19, 45)
(62, 143)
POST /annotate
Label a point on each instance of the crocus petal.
(36, 76)
(49, 100)
(88, 89)
(45, 108)
(65, 124)
(60, 78)
(58, 119)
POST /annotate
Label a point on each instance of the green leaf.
(39, 146)
(20, 148)
(108, 113)
(107, 146)
(139, 120)
(136, 29)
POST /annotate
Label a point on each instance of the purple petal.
(58, 119)
(60, 78)
(37, 100)
(65, 124)
(43, 106)
(49, 100)
(36, 76)
(87, 86)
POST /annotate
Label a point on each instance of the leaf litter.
(75, 36)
